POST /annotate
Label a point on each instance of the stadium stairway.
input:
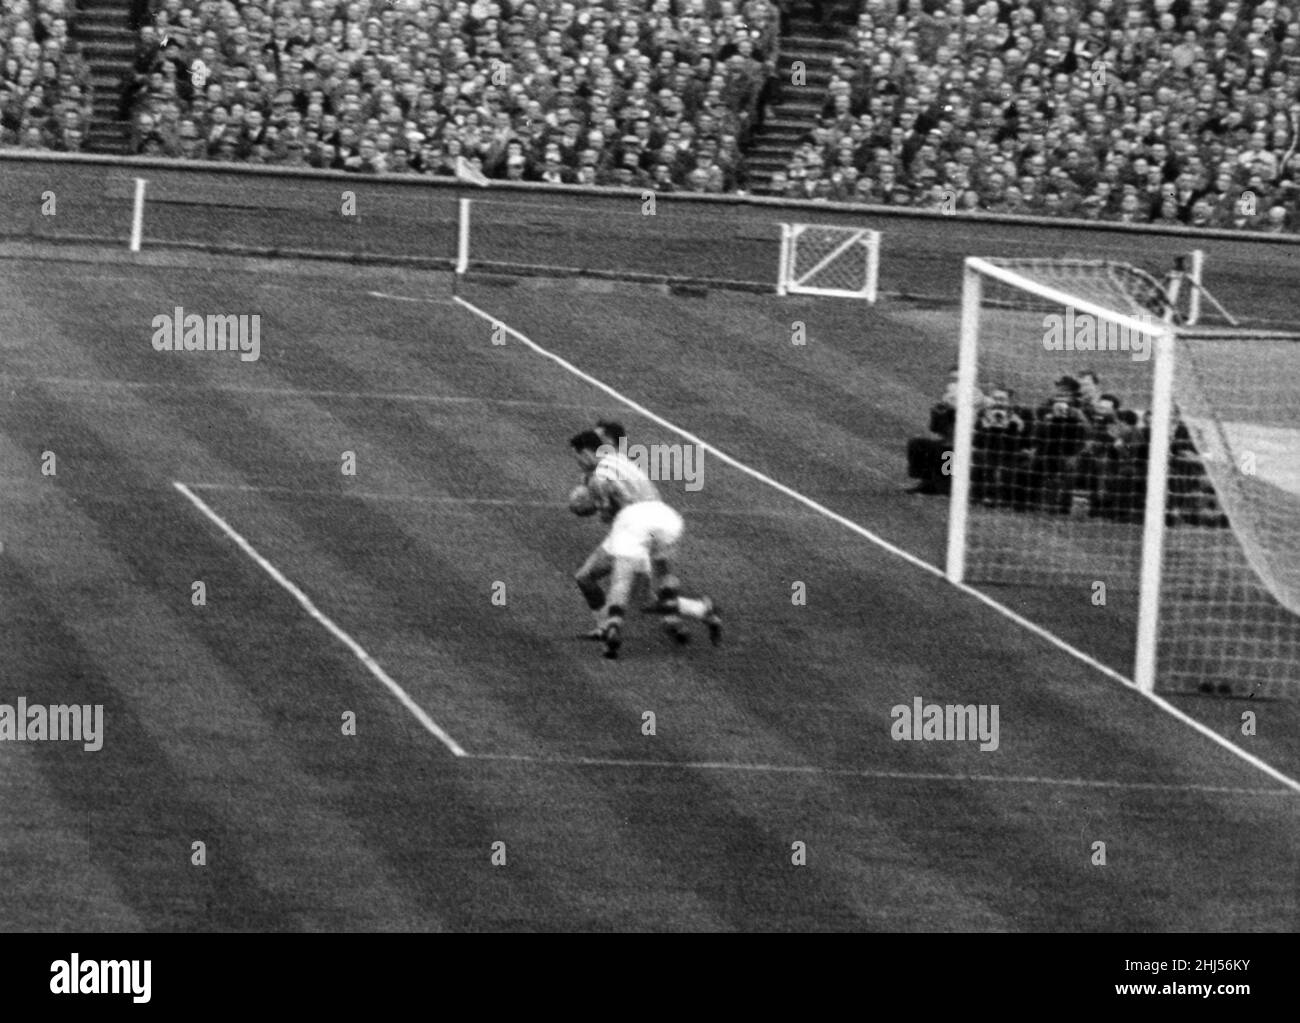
(798, 107)
(103, 30)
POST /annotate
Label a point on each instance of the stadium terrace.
(1127, 113)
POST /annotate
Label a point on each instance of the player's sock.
(713, 620)
(673, 626)
(693, 607)
(612, 633)
(666, 598)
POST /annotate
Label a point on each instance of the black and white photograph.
(651, 467)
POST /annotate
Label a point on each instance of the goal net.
(1109, 455)
(1230, 597)
(818, 259)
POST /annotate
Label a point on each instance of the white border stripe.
(877, 775)
(885, 545)
(357, 650)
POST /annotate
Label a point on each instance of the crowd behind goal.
(1079, 450)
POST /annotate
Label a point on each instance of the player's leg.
(673, 607)
(665, 534)
(641, 590)
(664, 587)
(623, 577)
(626, 548)
(598, 566)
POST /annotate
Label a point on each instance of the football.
(581, 502)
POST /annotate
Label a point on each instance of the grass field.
(223, 723)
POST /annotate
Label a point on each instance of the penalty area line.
(305, 602)
(877, 775)
(885, 545)
(409, 298)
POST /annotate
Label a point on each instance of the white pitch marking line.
(506, 502)
(849, 772)
(885, 545)
(305, 601)
(91, 383)
(410, 298)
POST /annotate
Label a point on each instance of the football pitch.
(375, 713)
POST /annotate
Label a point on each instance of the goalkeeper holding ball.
(642, 538)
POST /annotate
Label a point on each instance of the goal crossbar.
(1162, 472)
(1006, 272)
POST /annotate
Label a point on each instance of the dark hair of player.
(587, 440)
(613, 429)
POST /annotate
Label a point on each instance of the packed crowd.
(1164, 111)
(44, 85)
(1079, 448)
(651, 93)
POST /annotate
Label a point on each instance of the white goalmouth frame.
(792, 279)
(1153, 537)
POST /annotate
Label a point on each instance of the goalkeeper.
(642, 539)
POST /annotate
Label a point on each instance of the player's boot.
(612, 636)
(713, 621)
(676, 629)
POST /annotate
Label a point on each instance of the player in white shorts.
(642, 540)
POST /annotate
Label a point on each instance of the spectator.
(997, 451)
(1070, 115)
(1171, 112)
(569, 77)
(1058, 437)
(929, 459)
(45, 96)
(1105, 449)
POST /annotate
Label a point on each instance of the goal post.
(820, 259)
(1107, 455)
